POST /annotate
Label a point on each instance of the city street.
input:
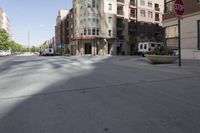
(96, 94)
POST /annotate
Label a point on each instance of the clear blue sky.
(36, 16)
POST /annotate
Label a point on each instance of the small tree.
(4, 40)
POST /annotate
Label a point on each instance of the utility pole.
(29, 41)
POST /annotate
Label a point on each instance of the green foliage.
(35, 49)
(163, 50)
(6, 43)
(44, 46)
(15, 46)
(4, 40)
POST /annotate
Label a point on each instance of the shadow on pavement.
(104, 98)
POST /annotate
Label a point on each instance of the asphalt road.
(97, 95)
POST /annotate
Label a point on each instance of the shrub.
(163, 50)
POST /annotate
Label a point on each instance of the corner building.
(104, 27)
(94, 27)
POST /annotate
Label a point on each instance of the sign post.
(179, 8)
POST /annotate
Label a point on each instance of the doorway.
(109, 48)
(88, 48)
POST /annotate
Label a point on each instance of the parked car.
(48, 52)
(5, 52)
(147, 47)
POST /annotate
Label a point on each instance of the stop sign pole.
(179, 8)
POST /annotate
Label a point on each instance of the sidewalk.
(191, 67)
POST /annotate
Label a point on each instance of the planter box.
(161, 59)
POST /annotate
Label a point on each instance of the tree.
(4, 40)
(44, 46)
(34, 49)
(133, 45)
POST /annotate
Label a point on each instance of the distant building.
(61, 32)
(51, 42)
(190, 28)
(4, 21)
(72, 47)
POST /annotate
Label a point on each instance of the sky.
(38, 17)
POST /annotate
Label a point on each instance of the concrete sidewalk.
(188, 66)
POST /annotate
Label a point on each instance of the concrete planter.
(161, 59)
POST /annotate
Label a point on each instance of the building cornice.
(184, 16)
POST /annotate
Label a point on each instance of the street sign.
(179, 8)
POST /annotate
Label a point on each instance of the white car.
(146, 47)
(5, 52)
(48, 52)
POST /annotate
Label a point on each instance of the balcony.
(133, 14)
(120, 11)
(120, 1)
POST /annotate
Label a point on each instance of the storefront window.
(171, 35)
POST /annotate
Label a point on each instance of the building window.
(85, 31)
(93, 31)
(110, 7)
(97, 32)
(109, 33)
(142, 2)
(171, 35)
(157, 17)
(93, 3)
(150, 14)
(110, 19)
(169, 6)
(97, 20)
(199, 34)
(149, 3)
(89, 31)
(142, 13)
(89, 5)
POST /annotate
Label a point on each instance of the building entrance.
(88, 48)
(109, 48)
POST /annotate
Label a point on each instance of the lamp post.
(29, 41)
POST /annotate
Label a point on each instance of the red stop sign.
(179, 7)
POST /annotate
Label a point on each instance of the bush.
(163, 50)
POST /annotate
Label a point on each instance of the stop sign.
(179, 7)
